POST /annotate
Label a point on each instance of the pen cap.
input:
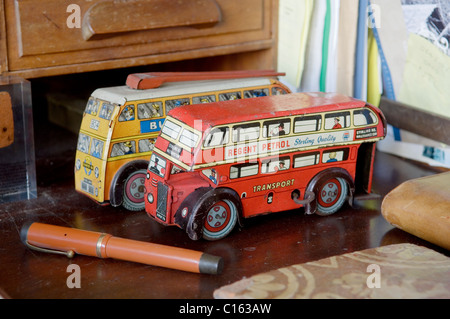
(64, 239)
(210, 264)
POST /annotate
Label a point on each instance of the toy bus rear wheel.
(220, 219)
(134, 191)
(331, 195)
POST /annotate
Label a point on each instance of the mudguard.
(197, 205)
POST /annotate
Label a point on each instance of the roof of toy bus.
(121, 94)
(220, 113)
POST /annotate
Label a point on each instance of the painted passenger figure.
(213, 176)
(128, 113)
(128, 147)
(337, 125)
(154, 168)
(332, 157)
(281, 166)
(279, 131)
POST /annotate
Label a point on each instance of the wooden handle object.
(421, 207)
(6, 120)
(112, 17)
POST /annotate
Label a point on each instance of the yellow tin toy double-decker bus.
(120, 126)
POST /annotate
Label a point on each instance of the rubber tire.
(134, 191)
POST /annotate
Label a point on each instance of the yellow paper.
(426, 77)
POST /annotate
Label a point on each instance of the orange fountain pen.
(70, 241)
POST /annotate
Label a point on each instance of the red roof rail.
(142, 81)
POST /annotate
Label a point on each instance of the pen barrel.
(163, 256)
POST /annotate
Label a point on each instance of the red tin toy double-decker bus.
(214, 166)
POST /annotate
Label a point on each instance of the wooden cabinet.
(52, 37)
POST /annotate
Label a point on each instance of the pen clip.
(69, 253)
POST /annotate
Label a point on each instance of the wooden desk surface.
(265, 243)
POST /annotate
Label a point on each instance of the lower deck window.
(243, 170)
(335, 156)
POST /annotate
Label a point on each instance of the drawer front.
(49, 33)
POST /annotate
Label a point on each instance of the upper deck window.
(171, 104)
(203, 99)
(276, 90)
(92, 106)
(106, 111)
(128, 113)
(245, 132)
(256, 93)
(218, 136)
(230, 96)
(364, 117)
(189, 138)
(149, 110)
(337, 120)
(309, 123)
(171, 129)
(276, 127)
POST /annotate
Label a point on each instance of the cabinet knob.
(110, 17)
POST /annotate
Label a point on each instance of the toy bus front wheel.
(220, 220)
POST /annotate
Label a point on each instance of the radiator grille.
(161, 201)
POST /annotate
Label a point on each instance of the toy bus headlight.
(150, 198)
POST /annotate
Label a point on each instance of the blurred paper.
(311, 73)
(331, 69)
(294, 21)
(393, 35)
(348, 21)
(360, 77)
(426, 77)
(417, 148)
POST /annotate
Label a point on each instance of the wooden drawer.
(116, 33)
